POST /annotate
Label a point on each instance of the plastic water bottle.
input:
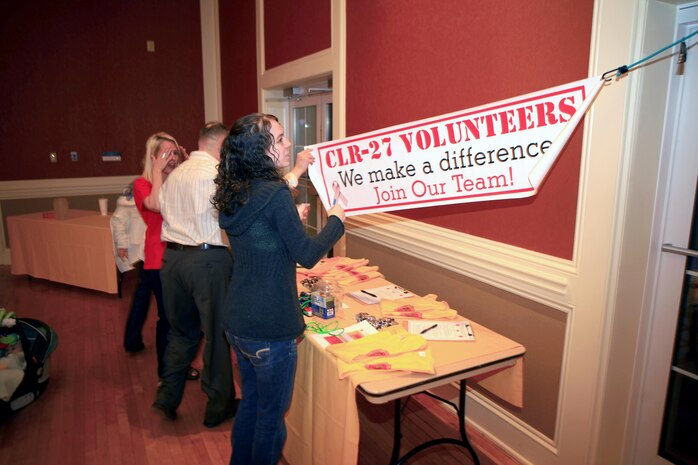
(322, 300)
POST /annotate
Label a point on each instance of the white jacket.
(128, 232)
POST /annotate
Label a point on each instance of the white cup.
(103, 206)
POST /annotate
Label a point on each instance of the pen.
(372, 295)
(428, 329)
(470, 330)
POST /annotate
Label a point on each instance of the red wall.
(294, 29)
(412, 59)
(76, 76)
(238, 45)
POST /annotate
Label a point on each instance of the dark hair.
(244, 158)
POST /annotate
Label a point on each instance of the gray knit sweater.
(267, 240)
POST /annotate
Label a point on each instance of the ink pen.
(368, 293)
(428, 329)
(469, 329)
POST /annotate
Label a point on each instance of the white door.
(311, 120)
(311, 116)
(668, 414)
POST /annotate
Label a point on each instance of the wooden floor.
(96, 408)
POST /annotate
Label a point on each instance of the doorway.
(668, 398)
(311, 120)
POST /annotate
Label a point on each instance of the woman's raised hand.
(163, 159)
(337, 210)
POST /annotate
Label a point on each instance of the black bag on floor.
(38, 340)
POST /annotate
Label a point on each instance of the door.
(667, 430)
(311, 119)
(679, 436)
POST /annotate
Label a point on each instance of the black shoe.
(212, 422)
(135, 349)
(165, 412)
(193, 374)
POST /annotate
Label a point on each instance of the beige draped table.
(323, 420)
(77, 250)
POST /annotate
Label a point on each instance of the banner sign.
(497, 151)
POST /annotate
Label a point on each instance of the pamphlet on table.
(375, 294)
(442, 330)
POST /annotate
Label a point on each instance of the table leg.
(463, 441)
(397, 434)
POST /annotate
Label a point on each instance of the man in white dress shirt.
(196, 269)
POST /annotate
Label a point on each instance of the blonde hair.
(152, 145)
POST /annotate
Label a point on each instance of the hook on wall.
(682, 53)
(621, 70)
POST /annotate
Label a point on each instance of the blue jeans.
(267, 370)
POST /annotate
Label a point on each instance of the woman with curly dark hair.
(263, 318)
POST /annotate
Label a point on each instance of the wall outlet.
(150, 45)
(73, 156)
(53, 157)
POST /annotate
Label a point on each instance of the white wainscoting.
(66, 187)
(532, 275)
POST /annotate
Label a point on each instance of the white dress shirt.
(188, 216)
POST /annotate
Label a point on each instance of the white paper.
(364, 297)
(375, 294)
(442, 330)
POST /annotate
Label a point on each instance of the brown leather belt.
(204, 246)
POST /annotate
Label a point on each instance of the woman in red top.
(162, 155)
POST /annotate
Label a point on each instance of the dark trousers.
(148, 285)
(195, 284)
